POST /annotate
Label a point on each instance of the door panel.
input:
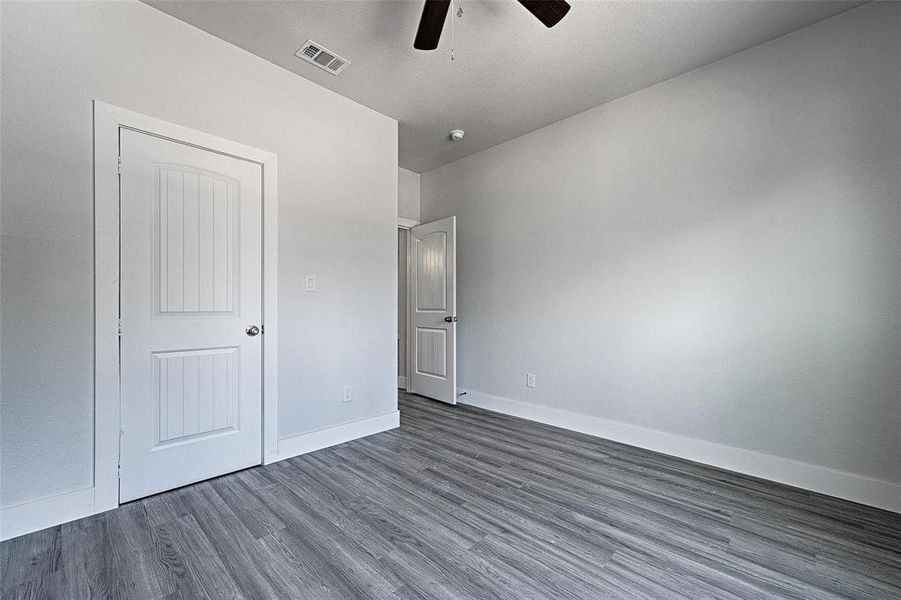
(431, 351)
(431, 263)
(433, 310)
(191, 283)
(195, 245)
(196, 392)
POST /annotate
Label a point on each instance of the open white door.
(433, 306)
(190, 309)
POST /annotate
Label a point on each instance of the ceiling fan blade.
(548, 12)
(430, 24)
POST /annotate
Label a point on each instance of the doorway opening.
(403, 270)
(427, 305)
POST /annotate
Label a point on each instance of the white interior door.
(190, 298)
(433, 306)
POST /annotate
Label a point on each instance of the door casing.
(108, 121)
(406, 225)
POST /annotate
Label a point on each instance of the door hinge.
(119, 165)
(120, 327)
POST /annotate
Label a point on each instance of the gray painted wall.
(337, 219)
(716, 256)
(408, 194)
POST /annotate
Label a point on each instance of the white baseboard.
(401, 382)
(317, 440)
(35, 515)
(848, 486)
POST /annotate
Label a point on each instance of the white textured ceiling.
(511, 74)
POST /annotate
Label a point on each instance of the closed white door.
(433, 310)
(190, 308)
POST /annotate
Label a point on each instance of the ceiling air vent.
(326, 60)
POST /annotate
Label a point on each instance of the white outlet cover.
(347, 393)
(309, 283)
(530, 380)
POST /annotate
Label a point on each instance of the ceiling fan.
(434, 12)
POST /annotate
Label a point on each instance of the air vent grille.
(326, 60)
(323, 58)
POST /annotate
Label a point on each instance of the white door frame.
(407, 224)
(108, 120)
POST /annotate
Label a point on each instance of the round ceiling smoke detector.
(456, 135)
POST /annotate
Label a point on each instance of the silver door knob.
(252, 330)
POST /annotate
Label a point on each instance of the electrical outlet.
(309, 283)
(347, 393)
(530, 380)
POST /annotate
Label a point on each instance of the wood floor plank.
(208, 577)
(243, 501)
(309, 532)
(29, 559)
(234, 544)
(463, 503)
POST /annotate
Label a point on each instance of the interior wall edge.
(823, 480)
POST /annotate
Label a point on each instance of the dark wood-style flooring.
(463, 503)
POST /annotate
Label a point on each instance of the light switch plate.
(347, 393)
(530, 380)
(309, 283)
